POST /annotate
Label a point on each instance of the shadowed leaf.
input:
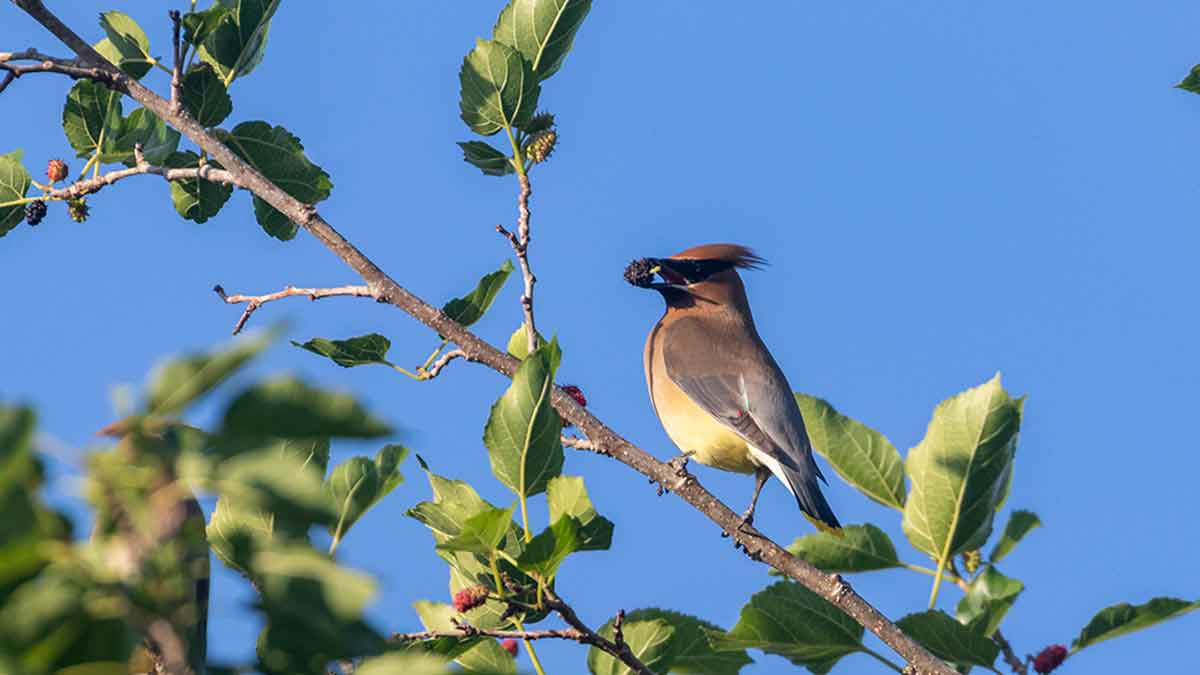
(14, 183)
(1124, 618)
(690, 650)
(567, 496)
(989, 598)
(547, 551)
(498, 90)
(158, 140)
(204, 96)
(178, 382)
(487, 159)
(289, 408)
(475, 655)
(948, 639)
(649, 639)
(126, 46)
(236, 40)
(1191, 82)
(196, 199)
(1020, 523)
(92, 118)
(469, 308)
(356, 351)
(352, 488)
(861, 548)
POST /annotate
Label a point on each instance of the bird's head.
(706, 273)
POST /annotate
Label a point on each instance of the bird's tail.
(812, 503)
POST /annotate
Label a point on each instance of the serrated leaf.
(387, 464)
(862, 456)
(567, 496)
(789, 620)
(142, 126)
(986, 602)
(958, 471)
(1124, 618)
(475, 655)
(126, 46)
(197, 26)
(352, 488)
(948, 639)
(289, 408)
(235, 45)
(14, 184)
(487, 159)
(1020, 523)
(690, 649)
(204, 96)
(543, 31)
(648, 639)
(547, 551)
(498, 90)
(92, 118)
(1191, 82)
(469, 308)
(177, 382)
(860, 548)
(482, 532)
(523, 432)
(356, 351)
(195, 198)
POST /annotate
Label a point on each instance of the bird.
(716, 389)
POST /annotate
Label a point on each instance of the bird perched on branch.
(716, 389)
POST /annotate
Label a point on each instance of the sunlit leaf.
(690, 649)
(126, 46)
(649, 639)
(547, 551)
(14, 183)
(523, 432)
(988, 599)
(352, 486)
(473, 654)
(498, 88)
(862, 456)
(237, 39)
(482, 532)
(469, 308)
(860, 548)
(567, 496)
(542, 30)
(92, 118)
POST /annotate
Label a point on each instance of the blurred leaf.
(407, 663)
(237, 39)
(860, 548)
(158, 140)
(468, 309)
(352, 488)
(566, 496)
(862, 456)
(177, 383)
(1020, 523)
(475, 655)
(523, 433)
(986, 602)
(1124, 618)
(482, 532)
(542, 30)
(387, 464)
(649, 639)
(92, 118)
(289, 408)
(1191, 82)
(196, 199)
(690, 650)
(948, 639)
(487, 159)
(958, 470)
(279, 156)
(791, 621)
(356, 351)
(126, 46)
(547, 551)
(204, 96)
(498, 90)
(14, 183)
(518, 344)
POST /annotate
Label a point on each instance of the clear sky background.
(944, 190)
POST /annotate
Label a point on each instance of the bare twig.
(434, 370)
(579, 443)
(520, 246)
(617, 648)
(48, 64)
(385, 289)
(253, 302)
(466, 630)
(1018, 666)
(177, 67)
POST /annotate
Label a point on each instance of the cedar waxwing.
(716, 389)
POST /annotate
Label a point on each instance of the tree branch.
(177, 67)
(520, 246)
(49, 64)
(1010, 657)
(467, 630)
(616, 647)
(830, 587)
(253, 302)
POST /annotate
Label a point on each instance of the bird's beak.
(670, 278)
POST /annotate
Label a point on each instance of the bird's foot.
(746, 521)
(679, 464)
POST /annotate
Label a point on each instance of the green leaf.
(789, 620)
(547, 551)
(566, 496)
(648, 639)
(387, 465)
(357, 351)
(988, 599)
(1020, 523)
(1124, 618)
(352, 487)
(542, 30)
(498, 88)
(407, 663)
(14, 183)
(523, 433)
(862, 456)
(236, 44)
(860, 548)
(197, 26)
(487, 159)
(126, 46)
(690, 649)
(196, 199)
(92, 118)
(176, 383)
(482, 532)
(948, 639)
(289, 408)
(158, 140)
(479, 656)
(1191, 82)
(279, 156)
(958, 471)
(469, 308)
(454, 501)
(204, 96)
(518, 344)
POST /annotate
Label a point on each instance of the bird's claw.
(679, 464)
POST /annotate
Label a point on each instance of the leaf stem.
(882, 659)
(435, 353)
(518, 160)
(533, 657)
(937, 582)
(90, 162)
(525, 517)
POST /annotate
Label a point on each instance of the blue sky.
(945, 190)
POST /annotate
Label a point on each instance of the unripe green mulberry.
(540, 146)
(78, 209)
(971, 561)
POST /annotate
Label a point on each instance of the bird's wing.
(750, 395)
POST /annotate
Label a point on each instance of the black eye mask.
(695, 271)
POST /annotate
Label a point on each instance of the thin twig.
(467, 630)
(1018, 666)
(253, 302)
(72, 68)
(617, 648)
(520, 246)
(386, 289)
(176, 74)
(434, 370)
(579, 443)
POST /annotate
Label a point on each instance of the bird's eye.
(696, 271)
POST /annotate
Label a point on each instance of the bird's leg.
(679, 464)
(761, 474)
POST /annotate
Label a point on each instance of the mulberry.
(57, 170)
(35, 211)
(469, 598)
(541, 145)
(1050, 658)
